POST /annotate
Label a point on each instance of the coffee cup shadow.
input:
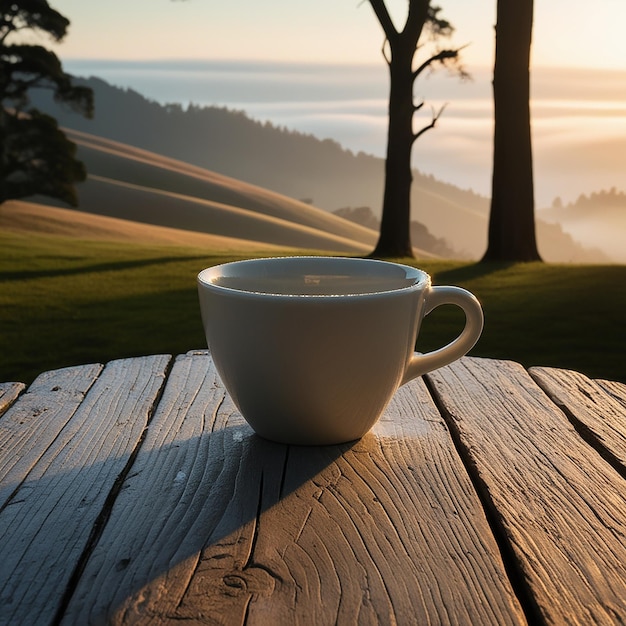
(210, 514)
(216, 493)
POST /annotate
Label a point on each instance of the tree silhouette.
(35, 155)
(399, 50)
(512, 217)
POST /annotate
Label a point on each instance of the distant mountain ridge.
(293, 164)
(613, 198)
(231, 143)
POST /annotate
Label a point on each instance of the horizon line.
(252, 62)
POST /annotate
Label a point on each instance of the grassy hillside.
(67, 301)
(135, 184)
(290, 164)
(32, 218)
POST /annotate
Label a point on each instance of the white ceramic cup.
(311, 349)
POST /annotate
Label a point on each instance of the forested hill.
(297, 165)
(229, 142)
(596, 201)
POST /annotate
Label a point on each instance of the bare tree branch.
(436, 116)
(384, 52)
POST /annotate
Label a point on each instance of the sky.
(579, 112)
(572, 33)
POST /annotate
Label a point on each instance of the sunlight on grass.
(67, 302)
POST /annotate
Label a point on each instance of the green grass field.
(66, 302)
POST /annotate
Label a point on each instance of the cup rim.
(206, 275)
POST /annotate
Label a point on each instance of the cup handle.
(422, 363)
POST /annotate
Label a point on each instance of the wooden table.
(135, 493)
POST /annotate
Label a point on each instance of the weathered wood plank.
(30, 426)
(217, 525)
(389, 532)
(559, 504)
(49, 521)
(615, 389)
(176, 498)
(591, 406)
(9, 393)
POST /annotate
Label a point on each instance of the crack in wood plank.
(592, 407)
(509, 558)
(29, 438)
(71, 470)
(569, 544)
(102, 519)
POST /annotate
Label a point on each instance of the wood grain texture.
(216, 525)
(615, 389)
(389, 532)
(30, 426)
(48, 522)
(173, 499)
(561, 507)
(9, 393)
(593, 408)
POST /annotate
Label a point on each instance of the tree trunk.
(512, 217)
(395, 237)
